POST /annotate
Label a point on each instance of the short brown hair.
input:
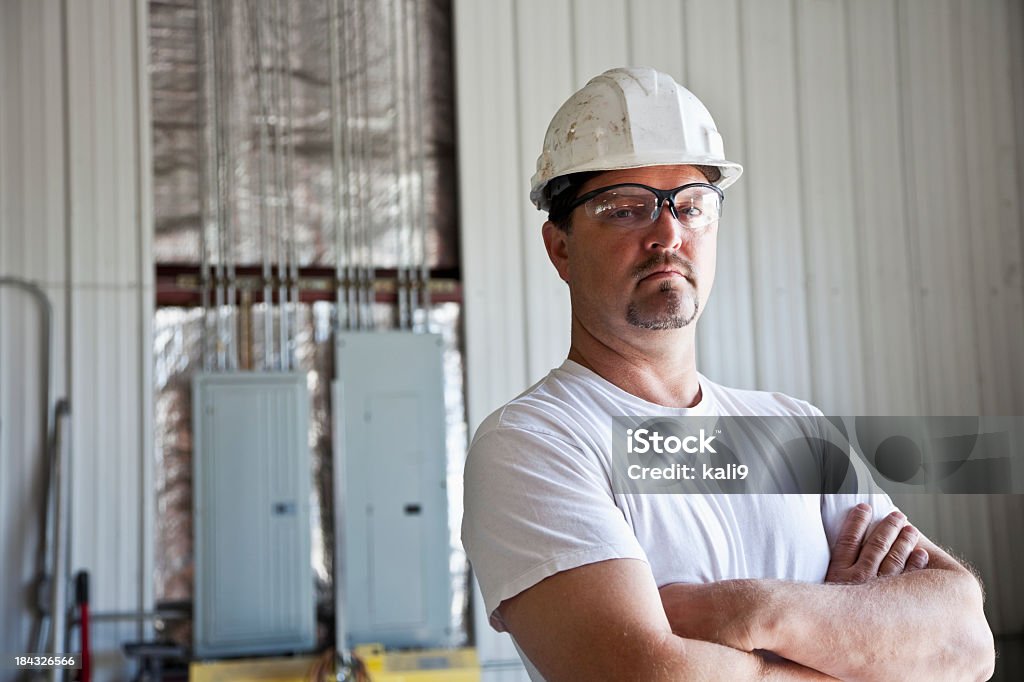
(560, 214)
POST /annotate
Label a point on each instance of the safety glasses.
(632, 206)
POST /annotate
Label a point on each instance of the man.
(594, 584)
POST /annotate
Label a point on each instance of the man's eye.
(688, 212)
(621, 211)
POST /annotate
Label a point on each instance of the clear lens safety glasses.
(633, 206)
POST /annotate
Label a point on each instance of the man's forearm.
(605, 621)
(698, 660)
(653, 657)
(927, 624)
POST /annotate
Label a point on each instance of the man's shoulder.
(744, 402)
(559, 405)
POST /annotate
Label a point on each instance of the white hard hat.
(628, 118)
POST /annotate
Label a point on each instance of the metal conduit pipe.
(336, 218)
(372, 215)
(341, 167)
(61, 553)
(408, 208)
(134, 616)
(397, 138)
(218, 145)
(356, 171)
(203, 34)
(262, 171)
(282, 294)
(42, 551)
(228, 255)
(292, 255)
(421, 174)
(367, 215)
(351, 178)
(350, 175)
(409, 31)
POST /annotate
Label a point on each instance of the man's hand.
(731, 613)
(890, 549)
(880, 618)
(725, 612)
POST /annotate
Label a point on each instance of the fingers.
(889, 549)
(877, 545)
(847, 547)
(896, 560)
(918, 560)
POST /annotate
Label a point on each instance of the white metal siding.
(871, 256)
(74, 217)
(31, 247)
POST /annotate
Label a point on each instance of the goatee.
(670, 318)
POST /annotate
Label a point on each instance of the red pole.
(82, 598)
(86, 658)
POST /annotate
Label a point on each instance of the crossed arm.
(605, 621)
(894, 606)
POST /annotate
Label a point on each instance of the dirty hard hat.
(628, 118)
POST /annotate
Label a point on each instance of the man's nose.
(666, 232)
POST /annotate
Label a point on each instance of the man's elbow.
(979, 652)
(973, 650)
(983, 650)
(986, 660)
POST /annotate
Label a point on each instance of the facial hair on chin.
(671, 318)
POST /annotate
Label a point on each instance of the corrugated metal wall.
(31, 193)
(870, 258)
(74, 217)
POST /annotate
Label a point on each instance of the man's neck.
(661, 369)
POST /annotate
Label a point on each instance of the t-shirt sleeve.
(535, 505)
(836, 507)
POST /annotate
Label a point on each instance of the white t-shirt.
(539, 498)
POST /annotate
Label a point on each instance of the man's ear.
(556, 241)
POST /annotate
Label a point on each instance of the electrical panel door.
(251, 492)
(390, 490)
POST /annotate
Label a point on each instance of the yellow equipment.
(293, 669)
(425, 665)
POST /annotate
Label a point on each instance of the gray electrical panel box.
(251, 491)
(391, 504)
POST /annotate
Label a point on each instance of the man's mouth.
(662, 275)
(665, 270)
(666, 275)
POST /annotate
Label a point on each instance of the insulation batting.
(176, 115)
